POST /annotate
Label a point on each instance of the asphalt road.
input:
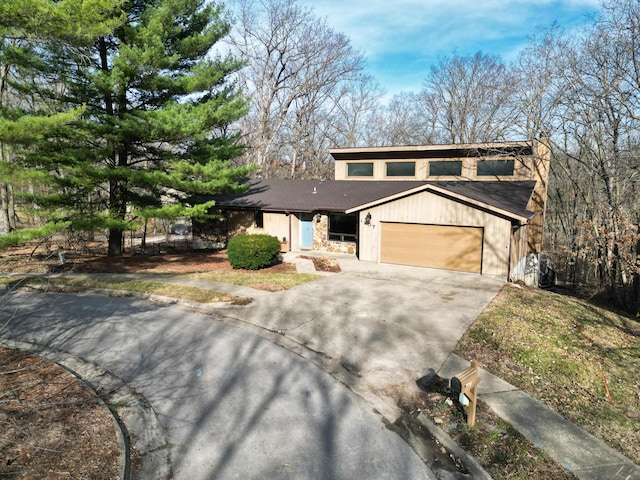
(233, 404)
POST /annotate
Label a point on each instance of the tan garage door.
(433, 246)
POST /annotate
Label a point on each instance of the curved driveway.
(234, 405)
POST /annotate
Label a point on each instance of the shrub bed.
(253, 252)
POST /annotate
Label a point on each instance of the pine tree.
(24, 26)
(155, 111)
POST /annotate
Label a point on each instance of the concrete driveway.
(378, 327)
(231, 403)
(236, 405)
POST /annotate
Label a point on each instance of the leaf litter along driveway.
(53, 426)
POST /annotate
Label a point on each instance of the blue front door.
(306, 230)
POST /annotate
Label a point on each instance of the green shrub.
(253, 252)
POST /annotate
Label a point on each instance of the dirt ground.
(167, 261)
(53, 426)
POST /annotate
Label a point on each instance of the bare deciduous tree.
(296, 66)
(589, 99)
(537, 89)
(354, 116)
(470, 99)
(621, 27)
(406, 121)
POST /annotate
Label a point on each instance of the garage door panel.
(433, 246)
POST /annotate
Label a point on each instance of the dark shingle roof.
(313, 195)
(285, 195)
(510, 196)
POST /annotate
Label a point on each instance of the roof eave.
(428, 187)
(348, 153)
(487, 206)
(416, 148)
(386, 199)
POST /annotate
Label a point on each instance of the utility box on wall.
(527, 270)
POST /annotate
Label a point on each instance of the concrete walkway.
(576, 450)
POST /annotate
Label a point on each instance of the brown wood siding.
(430, 209)
(519, 245)
(433, 246)
(277, 224)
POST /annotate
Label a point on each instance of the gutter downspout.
(290, 239)
(514, 229)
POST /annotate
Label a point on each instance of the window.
(359, 169)
(494, 168)
(258, 219)
(343, 228)
(437, 169)
(401, 169)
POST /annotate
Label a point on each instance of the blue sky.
(401, 39)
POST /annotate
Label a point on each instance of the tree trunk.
(115, 242)
(13, 217)
(143, 242)
(4, 214)
(118, 208)
(636, 278)
(294, 159)
(4, 189)
(8, 214)
(117, 205)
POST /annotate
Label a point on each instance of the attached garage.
(434, 246)
(461, 226)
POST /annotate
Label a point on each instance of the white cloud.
(415, 33)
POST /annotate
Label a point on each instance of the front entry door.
(306, 230)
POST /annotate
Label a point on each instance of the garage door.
(433, 246)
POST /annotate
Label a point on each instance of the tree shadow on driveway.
(233, 404)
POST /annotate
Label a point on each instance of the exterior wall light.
(367, 219)
(318, 217)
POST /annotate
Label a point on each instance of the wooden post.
(473, 397)
(466, 383)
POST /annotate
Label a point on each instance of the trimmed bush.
(253, 252)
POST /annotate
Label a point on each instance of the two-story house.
(476, 208)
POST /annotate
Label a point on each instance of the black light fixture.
(367, 219)
(318, 217)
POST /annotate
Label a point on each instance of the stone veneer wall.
(321, 242)
(214, 233)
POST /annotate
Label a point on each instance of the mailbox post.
(465, 384)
